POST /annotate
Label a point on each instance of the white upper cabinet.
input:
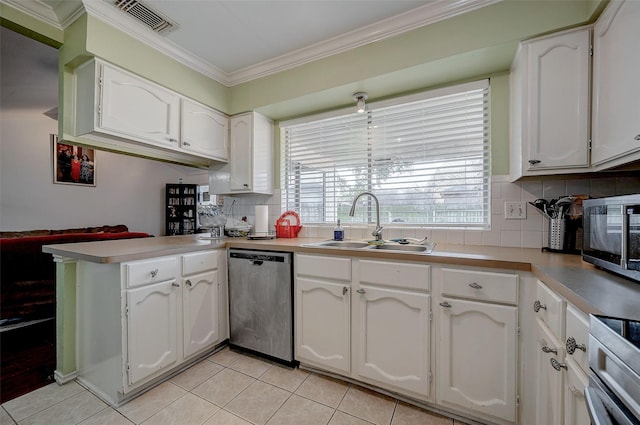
(126, 106)
(616, 86)
(205, 131)
(550, 105)
(250, 168)
(121, 111)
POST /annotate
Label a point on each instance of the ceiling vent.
(147, 15)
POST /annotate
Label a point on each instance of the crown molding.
(395, 25)
(59, 14)
(64, 14)
(104, 11)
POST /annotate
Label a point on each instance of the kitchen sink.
(339, 244)
(398, 247)
(362, 245)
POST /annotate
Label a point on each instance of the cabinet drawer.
(154, 270)
(404, 275)
(329, 268)
(486, 286)
(199, 262)
(577, 337)
(550, 309)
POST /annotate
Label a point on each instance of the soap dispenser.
(338, 233)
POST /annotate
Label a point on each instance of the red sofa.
(28, 303)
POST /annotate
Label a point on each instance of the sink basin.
(409, 248)
(426, 249)
(340, 244)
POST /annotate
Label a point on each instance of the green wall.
(479, 44)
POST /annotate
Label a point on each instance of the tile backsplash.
(531, 232)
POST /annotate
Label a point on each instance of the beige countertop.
(588, 288)
(121, 250)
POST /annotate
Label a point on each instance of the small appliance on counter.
(565, 223)
(612, 234)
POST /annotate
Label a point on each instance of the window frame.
(417, 97)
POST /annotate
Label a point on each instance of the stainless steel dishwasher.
(261, 303)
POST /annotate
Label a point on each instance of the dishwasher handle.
(259, 257)
(257, 262)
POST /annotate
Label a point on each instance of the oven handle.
(597, 411)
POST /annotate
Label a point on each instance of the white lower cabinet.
(575, 405)
(354, 320)
(549, 386)
(200, 312)
(392, 338)
(143, 319)
(477, 353)
(152, 318)
(322, 326)
(478, 343)
(562, 364)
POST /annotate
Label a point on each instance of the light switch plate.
(515, 210)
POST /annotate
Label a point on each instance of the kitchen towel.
(262, 220)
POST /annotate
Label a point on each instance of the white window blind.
(426, 160)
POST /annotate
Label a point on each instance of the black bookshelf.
(180, 212)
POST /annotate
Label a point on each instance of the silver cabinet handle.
(475, 285)
(172, 140)
(188, 282)
(572, 345)
(246, 185)
(637, 137)
(547, 350)
(154, 273)
(557, 365)
(445, 304)
(186, 144)
(345, 290)
(175, 284)
(534, 161)
(361, 291)
(537, 305)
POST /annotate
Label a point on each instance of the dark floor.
(28, 359)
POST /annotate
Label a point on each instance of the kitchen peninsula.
(114, 279)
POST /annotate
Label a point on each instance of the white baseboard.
(63, 379)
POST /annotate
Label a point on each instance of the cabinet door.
(200, 312)
(575, 405)
(138, 109)
(322, 324)
(558, 118)
(477, 354)
(152, 318)
(241, 153)
(204, 131)
(616, 97)
(549, 386)
(392, 330)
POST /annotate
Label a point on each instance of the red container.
(284, 228)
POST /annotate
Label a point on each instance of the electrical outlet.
(515, 210)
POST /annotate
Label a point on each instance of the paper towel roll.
(262, 220)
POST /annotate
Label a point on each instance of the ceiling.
(233, 35)
(232, 41)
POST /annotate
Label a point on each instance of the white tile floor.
(228, 388)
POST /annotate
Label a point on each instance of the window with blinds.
(426, 158)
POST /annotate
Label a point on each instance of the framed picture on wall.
(72, 164)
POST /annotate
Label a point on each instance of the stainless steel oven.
(613, 394)
(611, 238)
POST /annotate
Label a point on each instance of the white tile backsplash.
(529, 233)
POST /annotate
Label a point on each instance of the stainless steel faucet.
(377, 233)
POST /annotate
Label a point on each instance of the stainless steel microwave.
(611, 238)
